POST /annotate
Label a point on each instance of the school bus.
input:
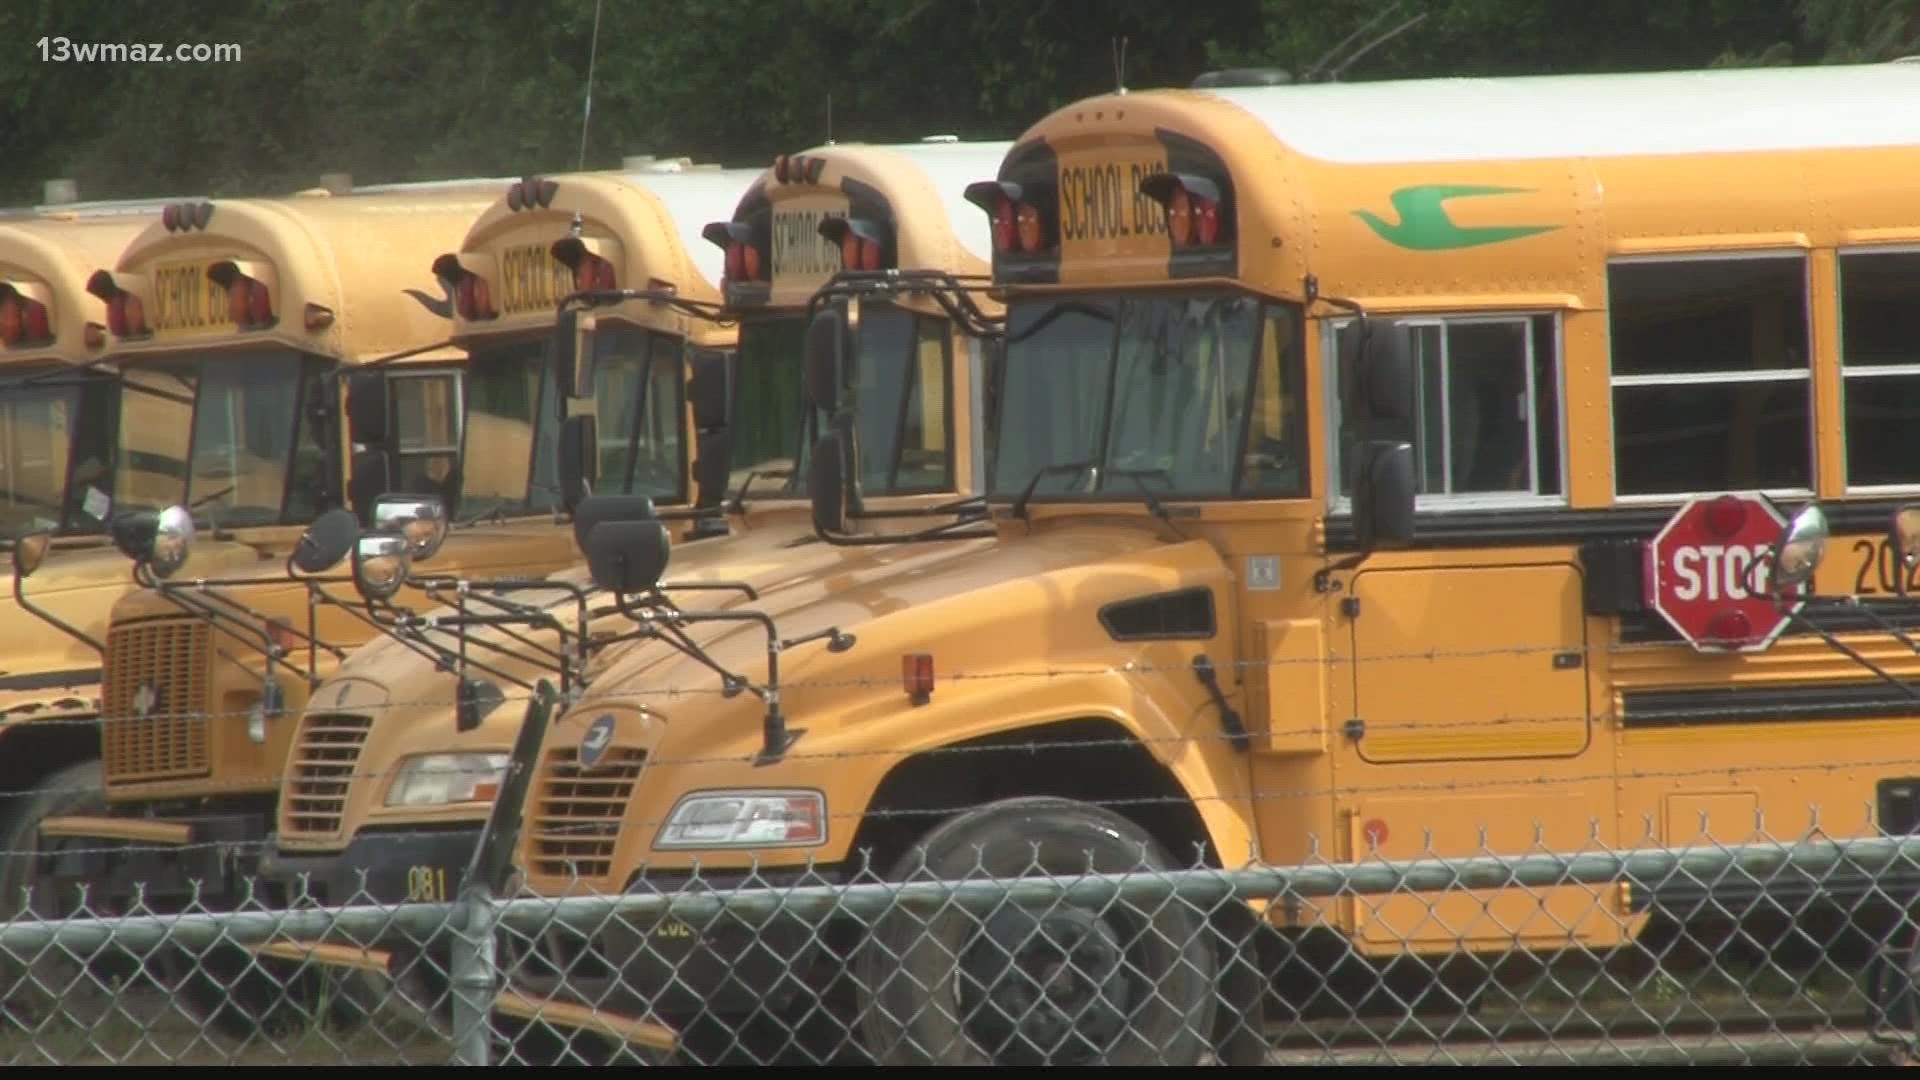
(1338, 429)
(635, 388)
(56, 452)
(287, 381)
(359, 819)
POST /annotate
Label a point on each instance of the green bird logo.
(1425, 226)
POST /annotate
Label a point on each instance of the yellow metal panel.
(1471, 663)
(1431, 826)
(1292, 695)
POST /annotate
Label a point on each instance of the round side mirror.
(30, 551)
(326, 541)
(1802, 544)
(1906, 533)
(421, 519)
(380, 564)
(172, 541)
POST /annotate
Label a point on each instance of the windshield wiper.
(1026, 493)
(739, 501)
(1154, 505)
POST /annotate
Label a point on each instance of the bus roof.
(45, 259)
(349, 275)
(1718, 110)
(645, 222)
(923, 185)
(1424, 194)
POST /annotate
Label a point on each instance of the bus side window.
(1486, 410)
(1880, 366)
(1712, 386)
(426, 416)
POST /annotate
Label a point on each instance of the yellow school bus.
(1370, 465)
(283, 362)
(389, 740)
(56, 454)
(359, 818)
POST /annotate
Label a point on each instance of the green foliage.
(394, 90)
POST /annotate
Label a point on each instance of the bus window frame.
(679, 350)
(1236, 491)
(1811, 373)
(1839, 298)
(454, 374)
(1340, 504)
(546, 361)
(306, 366)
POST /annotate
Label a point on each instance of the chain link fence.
(1787, 951)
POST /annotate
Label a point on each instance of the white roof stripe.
(1469, 119)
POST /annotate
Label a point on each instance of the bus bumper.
(207, 861)
(378, 868)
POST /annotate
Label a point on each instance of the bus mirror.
(1381, 375)
(367, 407)
(826, 346)
(160, 540)
(827, 485)
(569, 373)
(422, 519)
(707, 389)
(372, 469)
(380, 564)
(1906, 535)
(599, 509)
(1798, 553)
(29, 552)
(711, 467)
(1383, 494)
(325, 542)
(627, 556)
(579, 459)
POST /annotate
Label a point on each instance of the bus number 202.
(1879, 567)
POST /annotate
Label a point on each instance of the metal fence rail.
(1767, 952)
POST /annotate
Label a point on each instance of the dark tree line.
(395, 90)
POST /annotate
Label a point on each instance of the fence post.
(475, 976)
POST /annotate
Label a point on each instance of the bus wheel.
(1117, 982)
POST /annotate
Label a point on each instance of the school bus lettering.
(799, 251)
(1102, 201)
(531, 279)
(185, 299)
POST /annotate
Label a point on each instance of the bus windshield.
(54, 468)
(640, 413)
(511, 432)
(225, 436)
(900, 397)
(765, 429)
(1196, 394)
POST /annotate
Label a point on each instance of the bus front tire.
(1051, 982)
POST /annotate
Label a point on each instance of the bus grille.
(155, 727)
(324, 756)
(577, 812)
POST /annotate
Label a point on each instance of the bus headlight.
(441, 779)
(745, 819)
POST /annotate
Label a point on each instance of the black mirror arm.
(663, 625)
(20, 597)
(176, 594)
(1866, 610)
(704, 310)
(1853, 654)
(1310, 291)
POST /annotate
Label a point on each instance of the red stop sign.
(1708, 573)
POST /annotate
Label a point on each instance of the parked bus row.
(1233, 474)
